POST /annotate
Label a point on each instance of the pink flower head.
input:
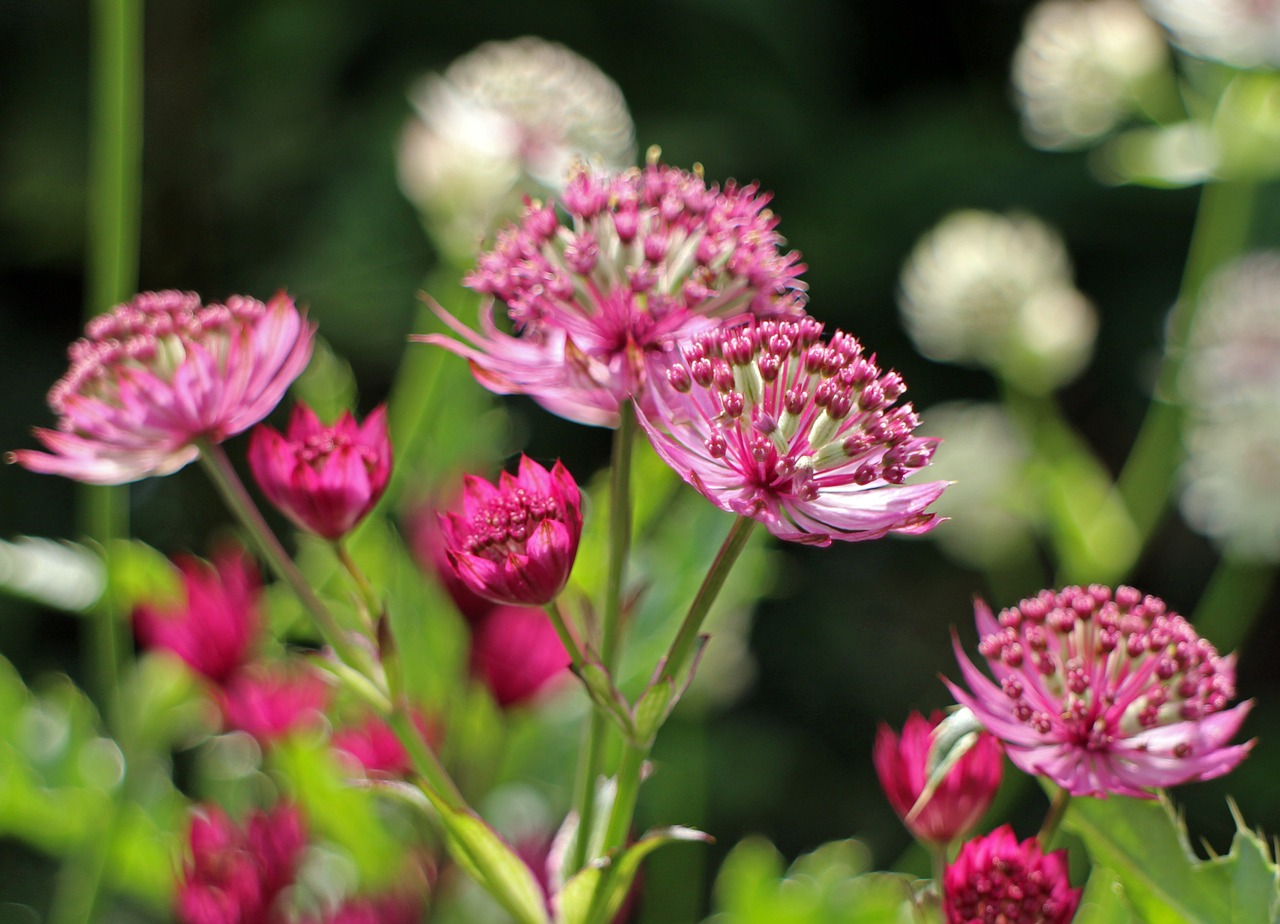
(270, 701)
(767, 421)
(213, 630)
(427, 544)
(1104, 693)
(515, 542)
(155, 376)
(647, 255)
(373, 745)
(235, 875)
(516, 652)
(996, 879)
(962, 797)
(324, 479)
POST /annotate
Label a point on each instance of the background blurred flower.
(214, 627)
(996, 291)
(157, 374)
(516, 653)
(1243, 33)
(766, 420)
(1104, 693)
(507, 119)
(325, 479)
(1079, 68)
(270, 700)
(963, 796)
(1231, 383)
(995, 878)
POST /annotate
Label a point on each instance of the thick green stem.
(1053, 818)
(1231, 602)
(624, 799)
(1148, 476)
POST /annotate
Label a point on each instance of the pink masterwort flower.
(427, 543)
(1104, 693)
(647, 255)
(996, 880)
(768, 421)
(373, 745)
(515, 542)
(272, 700)
(153, 377)
(235, 875)
(962, 797)
(516, 652)
(324, 479)
(214, 628)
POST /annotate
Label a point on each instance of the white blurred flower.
(1231, 384)
(508, 118)
(997, 291)
(1243, 33)
(1079, 68)
(991, 504)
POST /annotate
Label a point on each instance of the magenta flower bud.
(214, 628)
(154, 377)
(515, 542)
(995, 878)
(962, 797)
(1104, 693)
(271, 701)
(517, 654)
(324, 479)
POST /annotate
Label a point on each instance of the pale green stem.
(938, 858)
(1148, 476)
(1053, 818)
(591, 757)
(1231, 602)
(372, 604)
(566, 635)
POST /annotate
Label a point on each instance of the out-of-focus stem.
(1232, 600)
(369, 597)
(1053, 818)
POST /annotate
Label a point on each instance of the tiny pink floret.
(1104, 693)
(647, 255)
(997, 880)
(767, 420)
(325, 479)
(153, 377)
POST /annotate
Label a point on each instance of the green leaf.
(594, 894)
(487, 858)
(1103, 901)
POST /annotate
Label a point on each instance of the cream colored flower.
(1244, 33)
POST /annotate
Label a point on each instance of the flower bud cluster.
(997, 880)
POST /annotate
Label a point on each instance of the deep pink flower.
(214, 628)
(272, 700)
(426, 542)
(375, 747)
(996, 880)
(233, 875)
(516, 652)
(962, 797)
(1104, 693)
(515, 542)
(647, 255)
(767, 421)
(154, 376)
(324, 479)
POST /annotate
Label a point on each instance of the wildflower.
(213, 629)
(996, 291)
(766, 420)
(1104, 692)
(648, 256)
(324, 479)
(234, 874)
(427, 545)
(154, 377)
(373, 745)
(962, 797)
(515, 542)
(1080, 68)
(1242, 33)
(271, 701)
(516, 653)
(508, 117)
(997, 879)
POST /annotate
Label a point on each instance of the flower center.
(505, 524)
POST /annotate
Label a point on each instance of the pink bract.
(647, 255)
(515, 542)
(325, 479)
(516, 652)
(996, 879)
(768, 421)
(214, 628)
(1104, 692)
(155, 376)
(962, 797)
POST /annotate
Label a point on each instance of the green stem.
(1231, 602)
(1221, 233)
(372, 604)
(241, 504)
(624, 799)
(440, 786)
(1053, 818)
(566, 635)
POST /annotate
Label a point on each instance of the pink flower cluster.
(1104, 692)
(647, 256)
(997, 880)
